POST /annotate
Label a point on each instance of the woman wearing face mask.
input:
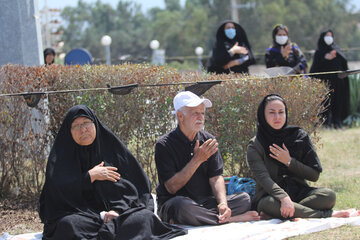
(328, 58)
(232, 51)
(284, 52)
(282, 158)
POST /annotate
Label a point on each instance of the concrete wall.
(20, 36)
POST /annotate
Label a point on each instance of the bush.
(354, 118)
(138, 118)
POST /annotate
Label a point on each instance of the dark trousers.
(317, 204)
(141, 224)
(184, 210)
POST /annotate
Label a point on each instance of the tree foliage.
(180, 28)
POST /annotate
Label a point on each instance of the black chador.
(70, 204)
(339, 106)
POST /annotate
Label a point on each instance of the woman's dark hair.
(277, 27)
(273, 98)
(48, 51)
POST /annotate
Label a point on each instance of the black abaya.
(70, 204)
(339, 107)
(220, 55)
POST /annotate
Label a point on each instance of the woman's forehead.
(275, 104)
(80, 119)
(229, 24)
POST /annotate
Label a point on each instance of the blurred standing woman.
(284, 52)
(282, 158)
(95, 188)
(232, 51)
(328, 58)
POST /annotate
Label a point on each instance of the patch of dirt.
(19, 216)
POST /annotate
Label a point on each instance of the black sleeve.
(221, 55)
(134, 173)
(164, 163)
(273, 59)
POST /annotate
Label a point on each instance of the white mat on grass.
(270, 229)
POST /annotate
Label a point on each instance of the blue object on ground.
(237, 185)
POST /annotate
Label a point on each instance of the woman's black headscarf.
(48, 51)
(324, 48)
(295, 139)
(68, 182)
(339, 63)
(220, 56)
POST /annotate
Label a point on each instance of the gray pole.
(108, 57)
(234, 11)
(200, 63)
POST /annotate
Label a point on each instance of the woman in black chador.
(95, 188)
(328, 58)
(232, 51)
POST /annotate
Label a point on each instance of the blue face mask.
(230, 33)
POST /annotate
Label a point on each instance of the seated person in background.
(284, 52)
(191, 188)
(281, 158)
(232, 51)
(95, 188)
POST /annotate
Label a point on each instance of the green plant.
(141, 117)
(354, 118)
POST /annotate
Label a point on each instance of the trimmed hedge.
(138, 118)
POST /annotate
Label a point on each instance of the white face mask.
(328, 40)
(281, 39)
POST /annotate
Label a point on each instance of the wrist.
(231, 52)
(288, 163)
(92, 178)
(197, 161)
(284, 199)
(221, 204)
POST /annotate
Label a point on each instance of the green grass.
(339, 152)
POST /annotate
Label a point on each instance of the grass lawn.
(339, 152)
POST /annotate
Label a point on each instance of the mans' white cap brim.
(207, 103)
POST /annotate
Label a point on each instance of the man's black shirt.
(172, 152)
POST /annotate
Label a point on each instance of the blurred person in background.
(232, 51)
(328, 57)
(283, 52)
(49, 56)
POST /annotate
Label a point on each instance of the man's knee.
(239, 203)
(179, 202)
(175, 206)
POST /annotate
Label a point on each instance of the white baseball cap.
(189, 99)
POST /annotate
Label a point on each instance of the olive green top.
(265, 171)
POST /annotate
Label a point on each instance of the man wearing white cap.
(191, 188)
